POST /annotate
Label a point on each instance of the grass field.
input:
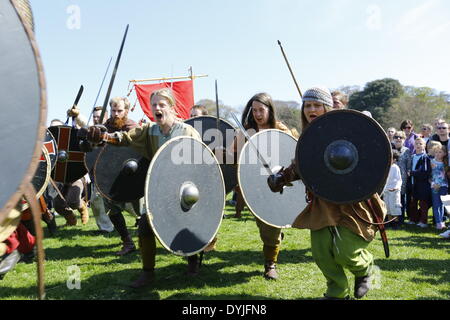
(419, 267)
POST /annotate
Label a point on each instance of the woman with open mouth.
(147, 140)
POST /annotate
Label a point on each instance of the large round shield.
(41, 177)
(344, 156)
(70, 161)
(22, 88)
(184, 195)
(119, 173)
(207, 127)
(277, 148)
(91, 158)
(52, 148)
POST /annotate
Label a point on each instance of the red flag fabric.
(183, 92)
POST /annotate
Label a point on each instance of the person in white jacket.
(391, 192)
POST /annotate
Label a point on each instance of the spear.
(290, 70)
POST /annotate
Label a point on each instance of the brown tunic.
(321, 213)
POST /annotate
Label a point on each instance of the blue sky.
(328, 42)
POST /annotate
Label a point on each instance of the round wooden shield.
(207, 127)
(42, 175)
(344, 156)
(70, 159)
(91, 158)
(278, 149)
(119, 173)
(184, 195)
(22, 88)
(52, 148)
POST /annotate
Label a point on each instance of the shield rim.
(15, 197)
(324, 116)
(247, 143)
(149, 215)
(210, 116)
(95, 162)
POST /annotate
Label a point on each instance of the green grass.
(419, 267)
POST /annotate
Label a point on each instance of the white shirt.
(394, 180)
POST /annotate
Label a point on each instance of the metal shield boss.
(119, 173)
(70, 159)
(23, 97)
(278, 149)
(344, 156)
(184, 195)
(207, 127)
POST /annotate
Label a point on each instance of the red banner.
(183, 92)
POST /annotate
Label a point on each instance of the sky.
(329, 43)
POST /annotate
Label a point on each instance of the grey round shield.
(21, 83)
(278, 150)
(184, 195)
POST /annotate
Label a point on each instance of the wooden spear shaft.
(290, 70)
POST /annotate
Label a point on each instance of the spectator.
(430, 148)
(439, 184)
(404, 163)
(420, 182)
(392, 191)
(442, 134)
(408, 128)
(390, 134)
(426, 131)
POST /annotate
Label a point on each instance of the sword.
(247, 136)
(99, 90)
(105, 103)
(290, 70)
(80, 92)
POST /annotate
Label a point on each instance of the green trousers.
(334, 252)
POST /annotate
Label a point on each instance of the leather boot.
(193, 265)
(362, 286)
(71, 219)
(84, 213)
(145, 279)
(270, 272)
(127, 247)
(211, 246)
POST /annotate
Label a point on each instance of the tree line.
(386, 99)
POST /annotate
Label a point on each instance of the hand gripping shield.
(184, 195)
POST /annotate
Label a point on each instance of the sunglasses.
(424, 129)
(408, 127)
(441, 128)
(398, 137)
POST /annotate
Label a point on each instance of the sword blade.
(247, 136)
(75, 103)
(113, 76)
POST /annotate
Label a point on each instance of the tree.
(421, 105)
(376, 97)
(224, 110)
(288, 112)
